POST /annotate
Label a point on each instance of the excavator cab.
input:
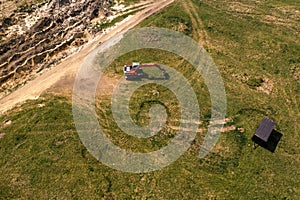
(128, 68)
(135, 64)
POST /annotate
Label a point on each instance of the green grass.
(174, 17)
(41, 155)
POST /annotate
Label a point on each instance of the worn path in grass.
(199, 30)
(36, 87)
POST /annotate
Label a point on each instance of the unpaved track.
(36, 87)
(202, 35)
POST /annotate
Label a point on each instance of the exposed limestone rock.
(36, 38)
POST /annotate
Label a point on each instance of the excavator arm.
(135, 70)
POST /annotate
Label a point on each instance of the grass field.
(42, 157)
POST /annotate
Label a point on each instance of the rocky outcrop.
(34, 39)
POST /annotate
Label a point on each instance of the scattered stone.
(7, 122)
(242, 130)
(266, 86)
(295, 70)
(2, 135)
(227, 120)
(41, 105)
(228, 128)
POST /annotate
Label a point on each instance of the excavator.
(135, 71)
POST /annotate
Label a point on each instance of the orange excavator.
(135, 71)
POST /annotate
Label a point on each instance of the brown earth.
(36, 38)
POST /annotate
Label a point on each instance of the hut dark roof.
(265, 135)
(265, 129)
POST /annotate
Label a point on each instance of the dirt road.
(36, 87)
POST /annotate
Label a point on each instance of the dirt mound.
(35, 38)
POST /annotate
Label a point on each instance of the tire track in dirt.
(203, 37)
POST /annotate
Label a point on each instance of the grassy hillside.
(257, 54)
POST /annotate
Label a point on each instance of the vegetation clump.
(255, 82)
